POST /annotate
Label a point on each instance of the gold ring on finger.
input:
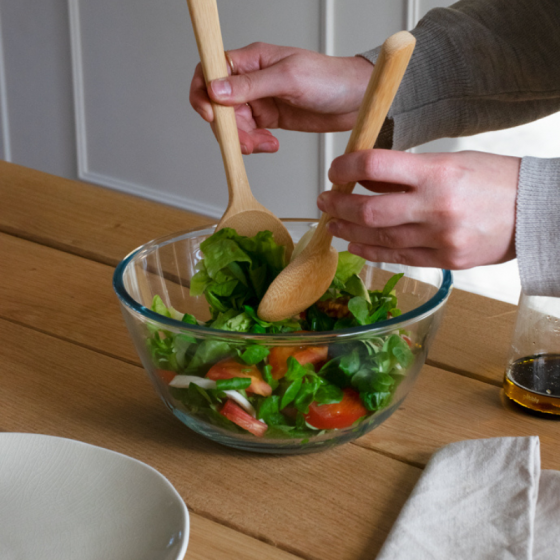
(230, 63)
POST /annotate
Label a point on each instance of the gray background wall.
(97, 90)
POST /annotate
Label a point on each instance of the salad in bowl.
(323, 377)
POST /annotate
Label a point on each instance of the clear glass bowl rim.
(417, 314)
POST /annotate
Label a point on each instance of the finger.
(258, 141)
(399, 237)
(418, 256)
(273, 81)
(257, 56)
(384, 166)
(383, 187)
(254, 141)
(198, 96)
(385, 210)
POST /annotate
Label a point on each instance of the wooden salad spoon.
(310, 274)
(244, 213)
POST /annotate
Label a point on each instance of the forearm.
(538, 226)
(479, 65)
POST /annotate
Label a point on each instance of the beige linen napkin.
(478, 500)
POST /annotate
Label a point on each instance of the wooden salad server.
(244, 213)
(310, 274)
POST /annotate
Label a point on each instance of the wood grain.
(86, 220)
(474, 337)
(473, 345)
(103, 225)
(55, 387)
(64, 295)
(69, 369)
(212, 541)
(443, 408)
(72, 298)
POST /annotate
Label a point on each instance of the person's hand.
(284, 87)
(453, 210)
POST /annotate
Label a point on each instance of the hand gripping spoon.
(310, 274)
(244, 213)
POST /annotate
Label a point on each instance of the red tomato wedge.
(278, 357)
(165, 375)
(229, 368)
(243, 419)
(339, 415)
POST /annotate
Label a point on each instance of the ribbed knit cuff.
(537, 233)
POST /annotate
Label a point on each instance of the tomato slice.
(166, 375)
(243, 419)
(339, 415)
(229, 368)
(278, 357)
(408, 340)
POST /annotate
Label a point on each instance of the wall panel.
(134, 61)
(37, 99)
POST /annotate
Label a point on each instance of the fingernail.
(221, 87)
(332, 226)
(321, 202)
(267, 147)
(244, 149)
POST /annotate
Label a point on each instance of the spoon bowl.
(310, 274)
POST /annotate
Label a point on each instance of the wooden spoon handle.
(381, 90)
(206, 25)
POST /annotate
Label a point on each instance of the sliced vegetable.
(278, 357)
(230, 368)
(339, 415)
(298, 390)
(238, 416)
(185, 381)
(166, 376)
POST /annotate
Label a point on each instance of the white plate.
(62, 499)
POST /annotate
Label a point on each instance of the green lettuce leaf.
(348, 265)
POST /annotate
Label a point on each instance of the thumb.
(242, 88)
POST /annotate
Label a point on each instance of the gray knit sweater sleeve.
(484, 65)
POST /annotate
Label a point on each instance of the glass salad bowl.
(325, 377)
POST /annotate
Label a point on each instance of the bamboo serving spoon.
(244, 213)
(310, 274)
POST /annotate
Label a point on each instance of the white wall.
(98, 90)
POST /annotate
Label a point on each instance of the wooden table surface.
(68, 368)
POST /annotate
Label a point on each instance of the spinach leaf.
(328, 394)
(376, 400)
(348, 265)
(267, 376)
(391, 283)
(255, 354)
(234, 383)
(359, 307)
(291, 392)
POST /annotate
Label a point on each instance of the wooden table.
(68, 368)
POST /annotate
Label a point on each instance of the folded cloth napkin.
(481, 499)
